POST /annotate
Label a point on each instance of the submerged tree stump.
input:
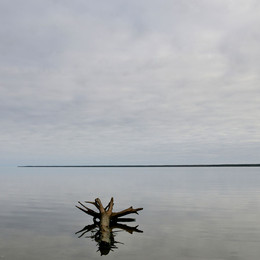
(107, 219)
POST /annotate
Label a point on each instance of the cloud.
(123, 81)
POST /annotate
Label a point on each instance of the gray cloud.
(170, 82)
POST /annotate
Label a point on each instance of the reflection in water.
(104, 224)
(194, 214)
(95, 234)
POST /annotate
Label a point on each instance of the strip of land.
(149, 165)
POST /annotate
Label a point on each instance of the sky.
(129, 82)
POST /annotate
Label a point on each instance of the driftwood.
(105, 220)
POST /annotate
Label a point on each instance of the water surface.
(189, 213)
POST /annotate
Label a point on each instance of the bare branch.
(89, 212)
(125, 212)
(110, 206)
(100, 206)
(93, 203)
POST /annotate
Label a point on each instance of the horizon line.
(147, 165)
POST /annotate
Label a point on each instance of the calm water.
(189, 213)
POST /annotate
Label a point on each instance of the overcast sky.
(115, 82)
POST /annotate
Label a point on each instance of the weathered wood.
(88, 211)
(108, 220)
(125, 212)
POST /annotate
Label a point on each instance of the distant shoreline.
(147, 166)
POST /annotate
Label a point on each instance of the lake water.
(189, 213)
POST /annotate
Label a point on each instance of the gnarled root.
(108, 219)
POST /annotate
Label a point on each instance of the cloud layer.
(129, 82)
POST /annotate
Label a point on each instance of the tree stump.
(106, 219)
